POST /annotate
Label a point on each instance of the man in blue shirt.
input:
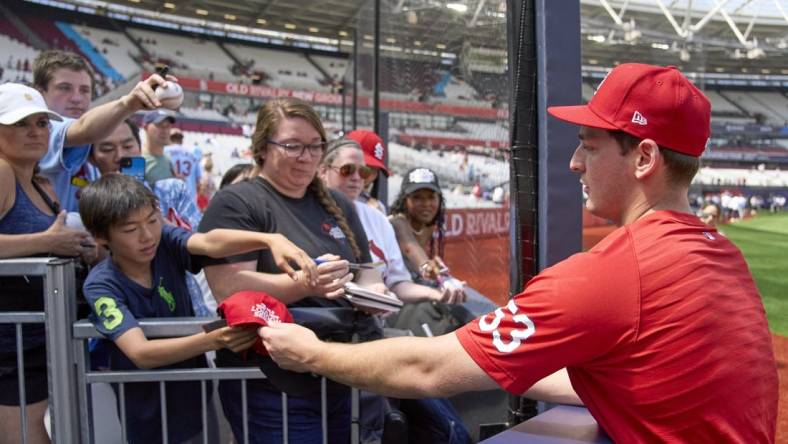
(66, 82)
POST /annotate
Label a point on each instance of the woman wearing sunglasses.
(344, 169)
(284, 195)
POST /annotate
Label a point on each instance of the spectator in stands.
(344, 169)
(646, 322)
(144, 278)
(157, 125)
(65, 81)
(186, 162)
(417, 216)
(31, 224)
(374, 157)
(206, 188)
(286, 196)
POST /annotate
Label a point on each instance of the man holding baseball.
(659, 327)
(66, 82)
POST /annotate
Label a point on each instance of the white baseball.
(170, 95)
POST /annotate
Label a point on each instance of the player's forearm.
(555, 388)
(405, 367)
(99, 122)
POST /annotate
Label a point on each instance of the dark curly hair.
(436, 248)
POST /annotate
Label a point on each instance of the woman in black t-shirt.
(285, 196)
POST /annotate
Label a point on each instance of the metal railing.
(58, 316)
(68, 361)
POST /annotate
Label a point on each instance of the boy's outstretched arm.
(151, 353)
(223, 242)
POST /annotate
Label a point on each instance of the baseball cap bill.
(374, 150)
(157, 116)
(18, 101)
(420, 178)
(649, 102)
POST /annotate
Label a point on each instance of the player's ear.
(647, 158)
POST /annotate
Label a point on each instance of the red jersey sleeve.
(570, 314)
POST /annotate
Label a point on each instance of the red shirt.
(662, 331)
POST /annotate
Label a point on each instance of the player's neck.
(676, 201)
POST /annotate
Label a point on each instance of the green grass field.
(764, 242)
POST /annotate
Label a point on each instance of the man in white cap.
(65, 80)
(659, 327)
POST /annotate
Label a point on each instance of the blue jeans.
(264, 410)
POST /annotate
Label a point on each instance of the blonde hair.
(269, 117)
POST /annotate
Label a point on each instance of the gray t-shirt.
(157, 168)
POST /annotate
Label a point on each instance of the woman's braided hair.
(269, 117)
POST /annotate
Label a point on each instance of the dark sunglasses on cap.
(349, 169)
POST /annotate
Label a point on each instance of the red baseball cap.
(374, 149)
(650, 102)
(254, 308)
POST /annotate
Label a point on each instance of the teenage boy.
(145, 278)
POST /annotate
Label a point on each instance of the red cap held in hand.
(254, 308)
(650, 102)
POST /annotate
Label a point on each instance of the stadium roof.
(705, 35)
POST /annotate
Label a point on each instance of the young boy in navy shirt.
(145, 278)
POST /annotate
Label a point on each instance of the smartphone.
(134, 167)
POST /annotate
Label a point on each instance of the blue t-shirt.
(186, 164)
(117, 302)
(64, 166)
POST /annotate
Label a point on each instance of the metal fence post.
(60, 314)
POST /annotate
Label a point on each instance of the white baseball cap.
(18, 101)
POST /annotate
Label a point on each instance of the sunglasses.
(349, 169)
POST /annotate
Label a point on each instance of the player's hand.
(286, 253)
(291, 346)
(236, 339)
(66, 241)
(333, 274)
(143, 95)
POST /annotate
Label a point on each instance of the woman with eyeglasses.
(284, 195)
(31, 224)
(344, 169)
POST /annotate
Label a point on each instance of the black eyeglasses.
(296, 149)
(349, 169)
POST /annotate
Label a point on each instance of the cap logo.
(639, 119)
(421, 175)
(263, 312)
(378, 151)
(28, 97)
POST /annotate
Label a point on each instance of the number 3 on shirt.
(517, 335)
(108, 312)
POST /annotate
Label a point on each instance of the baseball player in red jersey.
(659, 327)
